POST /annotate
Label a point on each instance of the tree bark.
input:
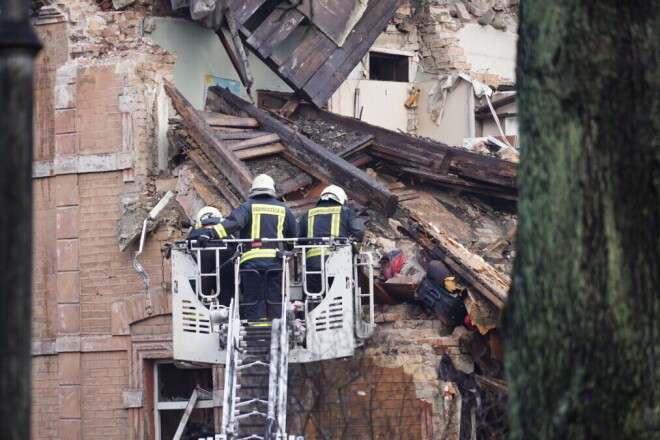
(582, 322)
(18, 46)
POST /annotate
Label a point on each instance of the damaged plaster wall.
(199, 53)
(498, 57)
(440, 38)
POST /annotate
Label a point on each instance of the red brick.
(66, 190)
(68, 287)
(66, 144)
(69, 319)
(70, 429)
(69, 368)
(69, 401)
(67, 255)
(67, 222)
(65, 121)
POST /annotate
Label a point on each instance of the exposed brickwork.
(104, 378)
(439, 48)
(44, 302)
(54, 54)
(158, 325)
(355, 399)
(98, 118)
(45, 397)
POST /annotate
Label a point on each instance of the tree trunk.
(583, 318)
(18, 45)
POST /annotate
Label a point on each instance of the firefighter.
(262, 216)
(329, 218)
(206, 219)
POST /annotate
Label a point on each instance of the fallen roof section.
(309, 156)
(224, 159)
(429, 161)
(337, 34)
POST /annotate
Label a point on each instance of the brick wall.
(45, 402)
(104, 379)
(54, 54)
(44, 285)
(98, 118)
(356, 399)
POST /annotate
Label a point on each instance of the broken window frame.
(397, 55)
(160, 406)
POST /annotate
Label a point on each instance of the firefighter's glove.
(203, 240)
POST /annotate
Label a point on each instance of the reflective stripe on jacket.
(260, 217)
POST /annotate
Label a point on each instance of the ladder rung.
(239, 416)
(252, 364)
(247, 402)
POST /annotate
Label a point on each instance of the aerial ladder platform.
(313, 326)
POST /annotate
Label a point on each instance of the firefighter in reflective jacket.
(330, 218)
(262, 216)
(207, 218)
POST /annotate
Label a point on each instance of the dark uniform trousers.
(261, 269)
(327, 219)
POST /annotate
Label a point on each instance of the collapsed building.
(138, 102)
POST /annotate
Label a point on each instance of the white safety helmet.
(333, 192)
(262, 184)
(208, 212)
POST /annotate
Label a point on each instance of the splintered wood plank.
(239, 135)
(360, 159)
(340, 64)
(356, 146)
(211, 174)
(251, 153)
(244, 9)
(309, 56)
(274, 30)
(395, 185)
(490, 282)
(457, 182)
(256, 142)
(220, 120)
(223, 158)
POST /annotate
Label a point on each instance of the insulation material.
(208, 13)
(438, 93)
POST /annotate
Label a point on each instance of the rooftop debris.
(337, 36)
(308, 155)
(429, 161)
(221, 157)
(472, 268)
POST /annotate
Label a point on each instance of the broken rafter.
(438, 157)
(256, 142)
(224, 135)
(485, 279)
(211, 174)
(251, 153)
(225, 160)
(356, 146)
(309, 156)
(220, 120)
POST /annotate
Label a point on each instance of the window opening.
(388, 67)
(173, 388)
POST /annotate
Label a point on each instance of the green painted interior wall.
(200, 53)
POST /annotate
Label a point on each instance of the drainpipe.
(18, 47)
